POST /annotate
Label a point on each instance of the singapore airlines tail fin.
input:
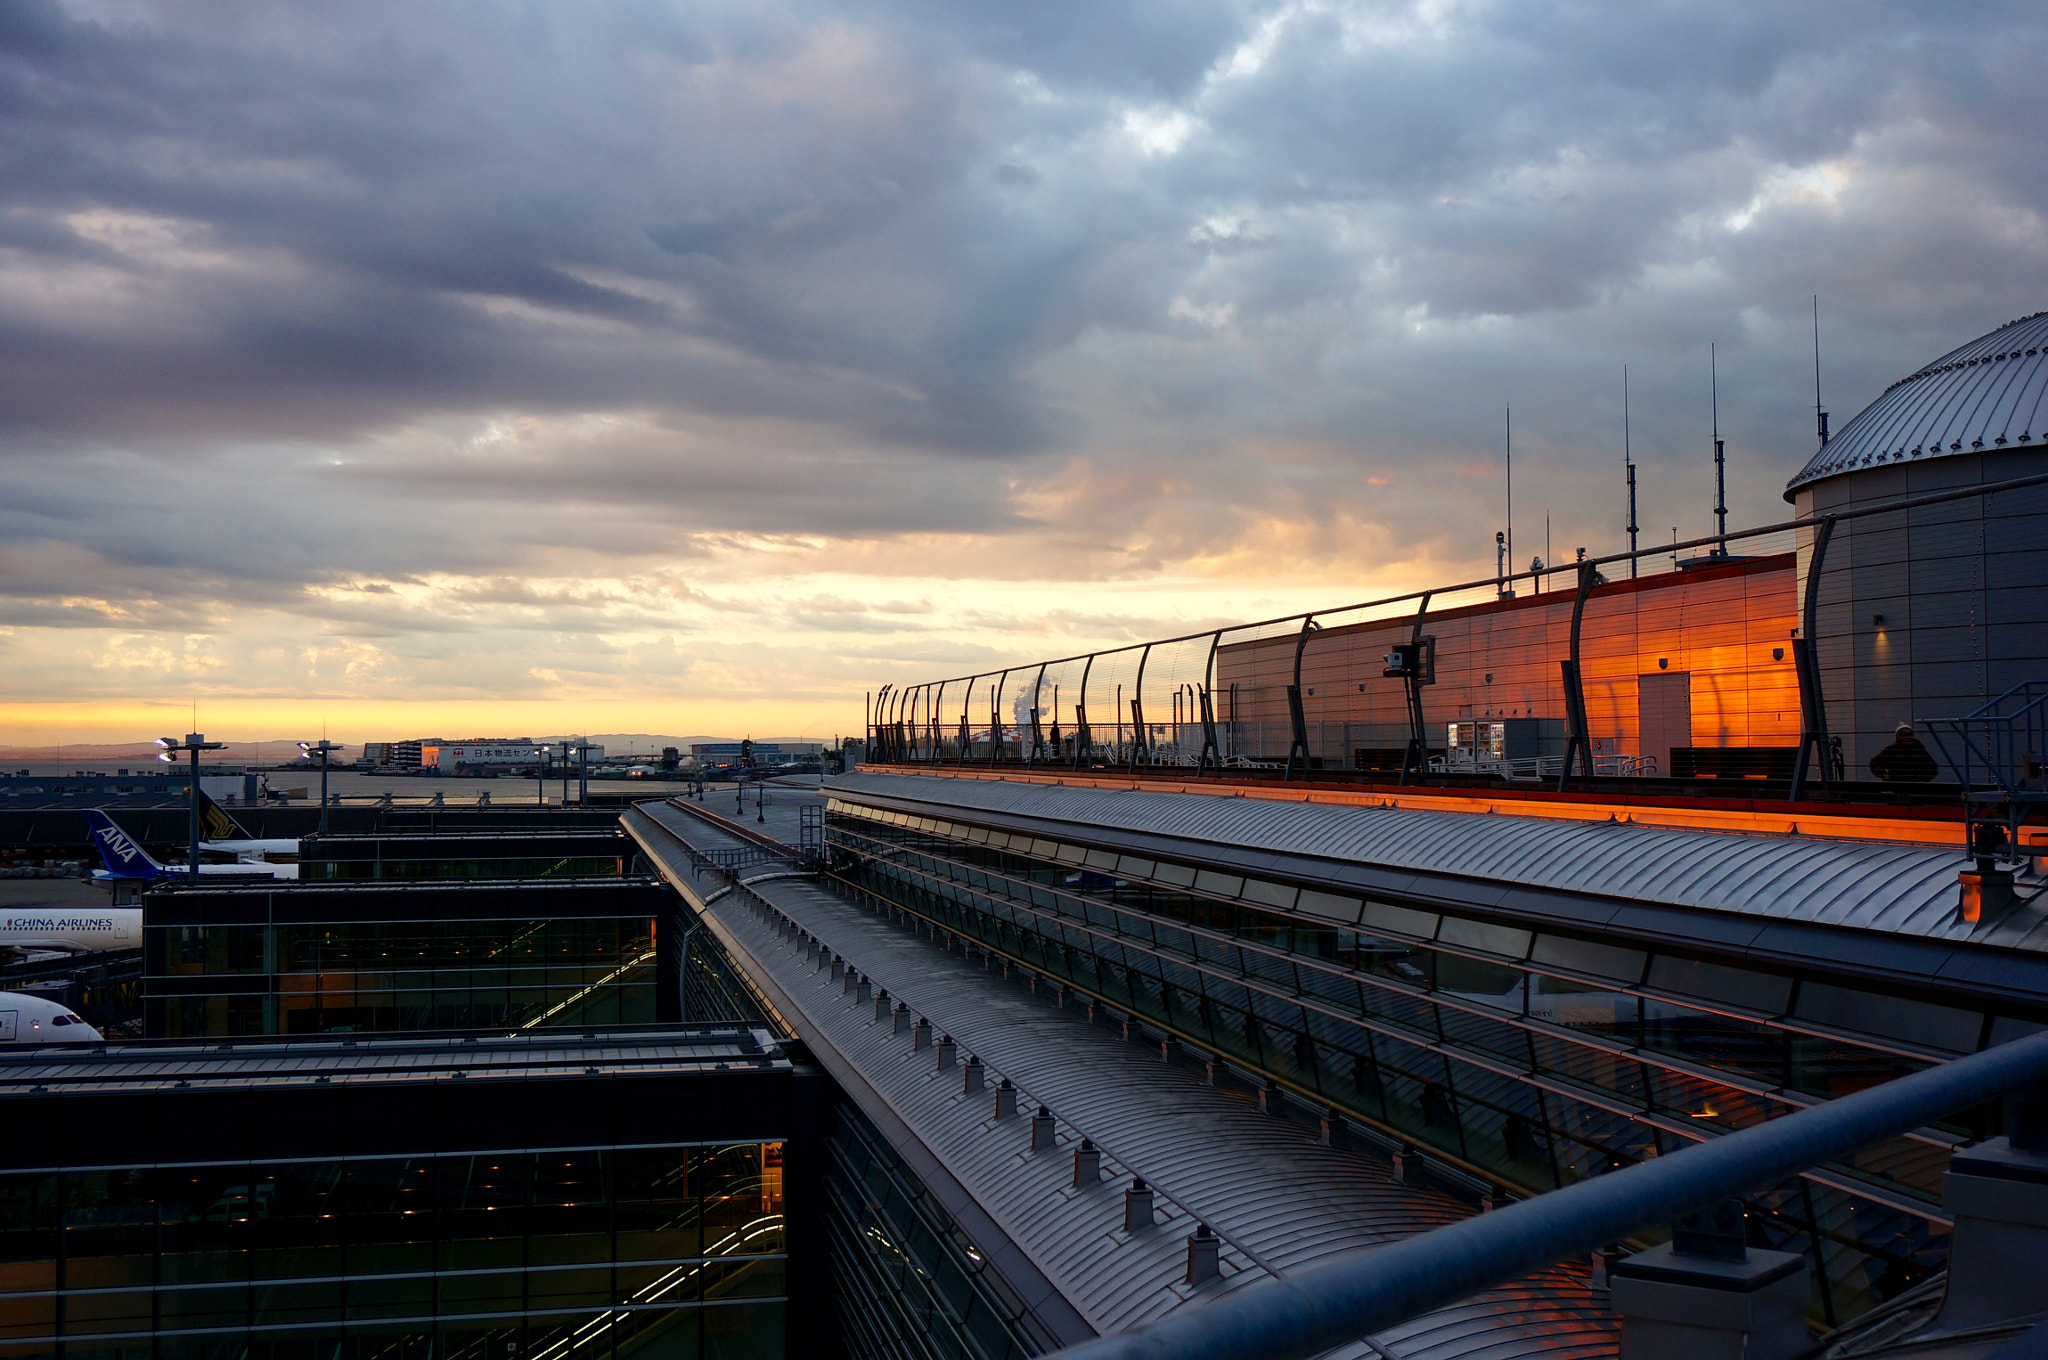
(119, 851)
(214, 822)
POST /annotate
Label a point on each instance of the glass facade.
(510, 1197)
(540, 854)
(670, 1251)
(389, 959)
(911, 1284)
(1528, 1059)
(557, 866)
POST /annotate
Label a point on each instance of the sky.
(480, 368)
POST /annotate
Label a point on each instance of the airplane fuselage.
(78, 930)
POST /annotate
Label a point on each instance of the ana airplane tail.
(118, 850)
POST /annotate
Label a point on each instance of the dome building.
(1929, 613)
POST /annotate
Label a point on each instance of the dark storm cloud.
(881, 268)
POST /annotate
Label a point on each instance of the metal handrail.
(900, 739)
(2005, 739)
(1339, 1303)
(1660, 550)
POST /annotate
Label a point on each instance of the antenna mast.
(1820, 416)
(1511, 481)
(1720, 458)
(1628, 461)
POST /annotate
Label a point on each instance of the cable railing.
(1302, 692)
(1306, 1314)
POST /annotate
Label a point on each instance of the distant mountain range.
(273, 752)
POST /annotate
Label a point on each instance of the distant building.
(405, 754)
(481, 753)
(765, 752)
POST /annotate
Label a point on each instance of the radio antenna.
(1628, 461)
(1720, 457)
(1820, 415)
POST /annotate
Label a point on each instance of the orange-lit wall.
(1720, 625)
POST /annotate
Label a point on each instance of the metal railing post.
(1296, 714)
(1578, 742)
(1138, 738)
(1415, 759)
(1813, 713)
(1083, 738)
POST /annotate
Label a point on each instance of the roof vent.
(945, 1052)
(1087, 1165)
(1043, 1136)
(921, 1035)
(1006, 1099)
(881, 1003)
(1137, 1207)
(902, 1018)
(971, 1076)
(1204, 1256)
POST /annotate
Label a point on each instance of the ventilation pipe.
(1704, 1295)
(1087, 1165)
(1997, 1193)
(1137, 1207)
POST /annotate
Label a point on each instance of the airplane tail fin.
(214, 822)
(118, 850)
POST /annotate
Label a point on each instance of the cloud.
(482, 349)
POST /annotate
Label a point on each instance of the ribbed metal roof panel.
(1902, 889)
(1991, 393)
(1279, 1201)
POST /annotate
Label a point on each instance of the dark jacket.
(1905, 761)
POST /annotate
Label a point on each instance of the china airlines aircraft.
(71, 930)
(126, 859)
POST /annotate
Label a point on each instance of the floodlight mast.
(322, 748)
(195, 742)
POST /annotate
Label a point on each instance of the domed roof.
(1991, 393)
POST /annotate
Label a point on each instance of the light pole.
(322, 748)
(195, 742)
(540, 776)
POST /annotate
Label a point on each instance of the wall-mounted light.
(1663, 663)
(1877, 620)
(1489, 677)
(1777, 653)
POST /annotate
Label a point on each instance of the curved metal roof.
(1280, 1202)
(1991, 393)
(1876, 886)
